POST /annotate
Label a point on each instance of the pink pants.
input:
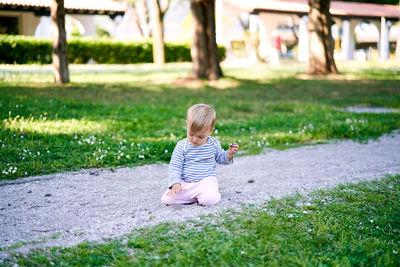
(205, 192)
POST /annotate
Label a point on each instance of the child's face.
(199, 138)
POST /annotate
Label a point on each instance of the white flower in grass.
(242, 252)
(290, 215)
(371, 221)
(166, 151)
(127, 156)
(141, 156)
(395, 251)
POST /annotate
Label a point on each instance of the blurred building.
(250, 25)
(32, 17)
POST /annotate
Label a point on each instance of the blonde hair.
(200, 116)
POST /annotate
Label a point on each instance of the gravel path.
(68, 208)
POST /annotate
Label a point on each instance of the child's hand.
(175, 189)
(233, 148)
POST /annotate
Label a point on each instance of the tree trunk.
(321, 43)
(204, 49)
(60, 49)
(146, 28)
(397, 56)
(158, 32)
(135, 17)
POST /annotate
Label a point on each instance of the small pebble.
(251, 180)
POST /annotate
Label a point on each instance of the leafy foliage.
(29, 50)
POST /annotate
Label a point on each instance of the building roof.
(106, 7)
(300, 7)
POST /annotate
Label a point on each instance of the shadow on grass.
(125, 123)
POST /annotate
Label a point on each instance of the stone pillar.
(384, 40)
(253, 28)
(88, 24)
(263, 45)
(302, 51)
(219, 22)
(398, 43)
(347, 45)
(43, 29)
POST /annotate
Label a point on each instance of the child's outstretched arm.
(233, 148)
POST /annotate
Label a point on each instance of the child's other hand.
(233, 148)
(176, 188)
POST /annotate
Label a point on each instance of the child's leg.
(204, 192)
(207, 191)
(182, 197)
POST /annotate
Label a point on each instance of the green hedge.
(17, 49)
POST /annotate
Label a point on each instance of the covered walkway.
(265, 17)
(33, 16)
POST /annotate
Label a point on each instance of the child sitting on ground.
(192, 175)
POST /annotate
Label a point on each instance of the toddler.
(192, 176)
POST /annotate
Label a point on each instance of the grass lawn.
(350, 225)
(132, 115)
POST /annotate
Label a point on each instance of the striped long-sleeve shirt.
(194, 163)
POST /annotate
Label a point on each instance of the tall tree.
(135, 7)
(60, 48)
(321, 43)
(398, 40)
(204, 49)
(134, 15)
(159, 10)
(146, 28)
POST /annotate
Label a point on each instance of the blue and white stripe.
(194, 163)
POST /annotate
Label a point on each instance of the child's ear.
(212, 130)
